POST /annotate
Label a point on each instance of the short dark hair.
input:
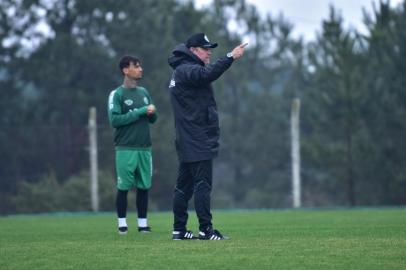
(126, 61)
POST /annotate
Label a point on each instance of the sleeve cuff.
(142, 110)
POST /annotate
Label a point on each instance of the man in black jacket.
(197, 130)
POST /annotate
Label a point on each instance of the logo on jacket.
(128, 102)
(172, 83)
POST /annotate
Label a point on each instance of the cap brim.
(212, 46)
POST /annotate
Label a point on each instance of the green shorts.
(134, 169)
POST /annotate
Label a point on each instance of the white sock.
(142, 222)
(122, 222)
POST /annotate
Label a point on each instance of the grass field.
(301, 239)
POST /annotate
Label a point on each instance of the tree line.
(351, 87)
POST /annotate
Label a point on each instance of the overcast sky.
(306, 15)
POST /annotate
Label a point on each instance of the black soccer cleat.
(211, 234)
(183, 235)
(122, 230)
(144, 229)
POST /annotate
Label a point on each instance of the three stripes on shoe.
(188, 234)
(212, 237)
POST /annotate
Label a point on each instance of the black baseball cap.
(199, 40)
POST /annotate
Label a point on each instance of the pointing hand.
(239, 50)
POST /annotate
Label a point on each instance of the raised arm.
(206, 74)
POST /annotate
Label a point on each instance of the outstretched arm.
(206, 74)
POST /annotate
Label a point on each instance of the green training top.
(127, 110)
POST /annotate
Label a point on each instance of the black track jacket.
(194, 107)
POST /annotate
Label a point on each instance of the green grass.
(302, 239)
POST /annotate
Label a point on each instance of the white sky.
(306, 15)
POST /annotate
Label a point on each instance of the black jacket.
(194, 107)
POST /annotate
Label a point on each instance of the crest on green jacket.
(128, 102)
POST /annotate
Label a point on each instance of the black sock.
(142, 203)
(121, 203)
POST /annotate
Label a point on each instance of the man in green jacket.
(130, 111)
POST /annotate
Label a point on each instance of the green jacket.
(127, 111)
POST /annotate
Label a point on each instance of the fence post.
(295, 137)
(94, 193)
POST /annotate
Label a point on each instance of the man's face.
(204, 54)
(133, 71)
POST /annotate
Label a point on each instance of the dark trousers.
(195, 178)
